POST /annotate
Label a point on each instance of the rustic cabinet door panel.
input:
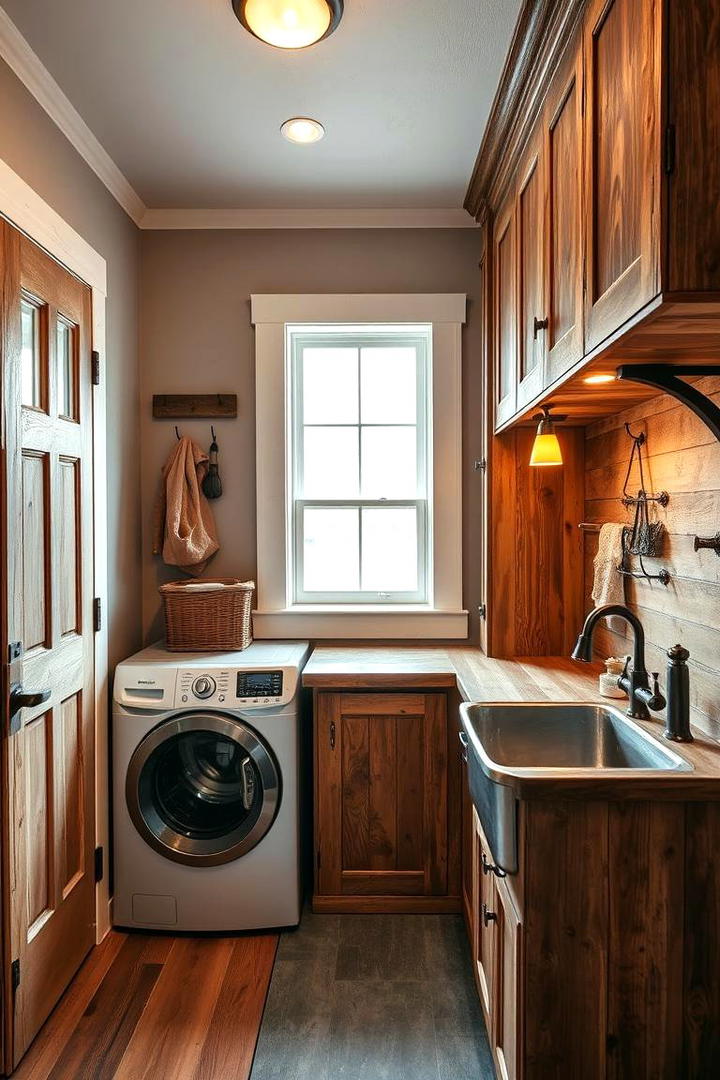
(565, 228)
(623, 162)
(508, 987)
(484, 928)
(532, 317)
(381, 794)
(505, 310)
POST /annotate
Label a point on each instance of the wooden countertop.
(478, 678)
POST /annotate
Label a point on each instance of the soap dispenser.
(609, 678)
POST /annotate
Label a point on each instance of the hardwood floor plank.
(168, 1040)
(229, 1046)
(57, 1032)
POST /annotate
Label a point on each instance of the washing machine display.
(203, 788)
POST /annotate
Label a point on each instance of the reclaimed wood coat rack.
(194, 406)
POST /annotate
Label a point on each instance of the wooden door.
(505, 312)
(565, 246)
(507, 1020)
(381, 794)
(484, 928)
(532, 316)
(48, 761)
(622, 184)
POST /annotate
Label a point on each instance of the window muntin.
(359, 464)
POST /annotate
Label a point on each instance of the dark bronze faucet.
(635, 681)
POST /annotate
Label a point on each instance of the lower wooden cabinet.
(381, 802)
(497, 958)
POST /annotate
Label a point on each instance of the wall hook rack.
(667, 377)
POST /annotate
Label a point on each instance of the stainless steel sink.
(521, 740)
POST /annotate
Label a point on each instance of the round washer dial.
(203, 687)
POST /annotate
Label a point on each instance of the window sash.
(298, 340)
(361, 596)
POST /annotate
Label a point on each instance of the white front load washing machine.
(206, 788)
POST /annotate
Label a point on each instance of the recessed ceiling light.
(303, 130)
(596, 380)
(289, 24)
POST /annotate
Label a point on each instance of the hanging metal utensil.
(212, 485)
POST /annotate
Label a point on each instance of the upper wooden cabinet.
(598, 180)
(622, 174)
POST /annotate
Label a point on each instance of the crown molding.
(31, 71)
(308, 219)
(29, 68)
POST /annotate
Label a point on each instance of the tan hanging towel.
(184, 531)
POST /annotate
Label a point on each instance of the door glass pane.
(65, 338)
(30, 353)
(330, 466)
(330, 386)
(331, 549)
(389, 549)
(389, 462)
(388, 385)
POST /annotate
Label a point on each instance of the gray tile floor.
(373, 997)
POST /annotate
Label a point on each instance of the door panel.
(507, 1025)
(505, 321)
(621, 58)
(566, 245)
(382, 794)
(532, 335)
(48, 553)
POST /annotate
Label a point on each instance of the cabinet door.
(468, 843)
(532, 317)
(505, 311)
(565, 228)
(622, 162)
(484, 925)
(507, 984)
(381, 794)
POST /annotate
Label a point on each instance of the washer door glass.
(203, 788)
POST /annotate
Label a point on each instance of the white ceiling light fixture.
(289, 24)
(302, 130)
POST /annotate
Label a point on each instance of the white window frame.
(299, 337)
(277, 615)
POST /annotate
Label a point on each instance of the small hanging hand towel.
(608, 584)
(184, 530)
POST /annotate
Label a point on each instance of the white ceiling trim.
(308, 219)
(26, 64)
(31, 71)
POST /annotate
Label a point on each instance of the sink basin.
(522, 740)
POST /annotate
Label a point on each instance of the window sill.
(369, 621)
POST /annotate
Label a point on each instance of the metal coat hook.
(639, 439)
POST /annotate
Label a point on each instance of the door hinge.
(480, 465)
(97, 614)
(14, 651)
(99, 863)
(15, 975)
(95, 368)
(670, 148)
(482, 611)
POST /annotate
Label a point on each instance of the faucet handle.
(656, 682)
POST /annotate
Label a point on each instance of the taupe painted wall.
(33, 146)
(196, 336)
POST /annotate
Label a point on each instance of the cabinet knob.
(490, 868)
(540, 324)
(488, 916)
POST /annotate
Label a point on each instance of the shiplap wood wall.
(684, 460)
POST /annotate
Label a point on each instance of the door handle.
(248, 783)
(20, 700)
(488, 916)
(538, 325)
(491, 868)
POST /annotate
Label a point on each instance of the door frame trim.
(23, 208)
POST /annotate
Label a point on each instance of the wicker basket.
(215, 619)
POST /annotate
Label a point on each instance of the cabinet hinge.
(14, 651)
(95, 368)
(15, 975)
(670, 148)
(482, 611)
(99, 863)
(480, 465)
(97, 614)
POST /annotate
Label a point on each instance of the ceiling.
(189, 105)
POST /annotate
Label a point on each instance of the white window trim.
(275, 617)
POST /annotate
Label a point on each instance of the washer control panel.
(204, 687)
(194, 686)
(256, 685)
(234, 687)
